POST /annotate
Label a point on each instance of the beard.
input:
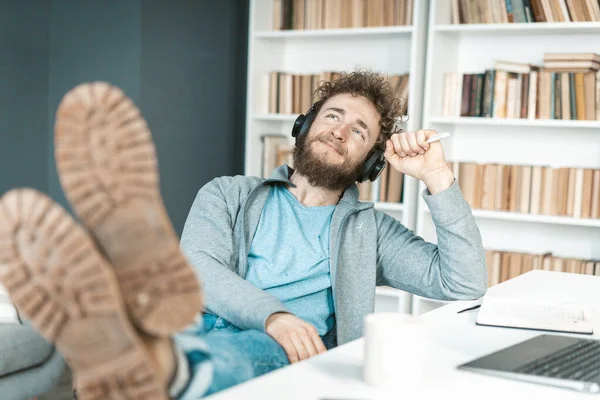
(318, 171)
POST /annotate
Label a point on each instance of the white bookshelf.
(392, 50)
(373, 32)
(443, 25)
(533, 218)
(556, 125)
(472, 49)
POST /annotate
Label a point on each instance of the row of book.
(277, 149)
(505, 265)
(523, 11)
(567, 87)
(572, 192)
(332, 14)
(294, 93)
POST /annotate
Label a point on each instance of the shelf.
(543, 219)
(542, 123)
(558, 28)
(275, 117)
(375, 32)
(389, 207)
(554, 143)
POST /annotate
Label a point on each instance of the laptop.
(562, 361)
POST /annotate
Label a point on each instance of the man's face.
(341, 136)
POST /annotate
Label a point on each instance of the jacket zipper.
(335, 259)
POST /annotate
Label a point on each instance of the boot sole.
(59, 281)
(108, 169)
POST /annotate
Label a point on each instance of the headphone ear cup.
(377, 170)
(298, 125)
(374, 165)
(304, 121)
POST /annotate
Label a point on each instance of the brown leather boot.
(63, 285)
(107, 166)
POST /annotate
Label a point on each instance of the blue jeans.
(236, 355)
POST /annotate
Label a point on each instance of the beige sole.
(59, 281)
(107, 167)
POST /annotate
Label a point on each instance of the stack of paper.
(532, 314)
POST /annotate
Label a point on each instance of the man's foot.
(108, 169)
(59, 281)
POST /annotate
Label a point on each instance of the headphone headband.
(375, 162)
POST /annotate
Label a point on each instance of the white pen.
(438, 136)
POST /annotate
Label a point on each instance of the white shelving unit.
(545, 219)
(560, 125)
(392, 50)
(373, 32)
(472, 49)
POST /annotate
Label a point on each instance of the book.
(535, 314)
(271, 142)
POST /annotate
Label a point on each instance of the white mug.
(392, 351)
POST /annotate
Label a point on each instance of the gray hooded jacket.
(367, 248)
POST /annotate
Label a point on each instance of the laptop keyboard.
(580, 362)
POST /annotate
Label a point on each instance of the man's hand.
(299, 339)
(409, 153)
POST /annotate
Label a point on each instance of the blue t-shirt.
(289, 257)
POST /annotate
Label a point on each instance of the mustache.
(334, 143)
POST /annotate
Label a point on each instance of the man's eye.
(333, 116)
(358, 132)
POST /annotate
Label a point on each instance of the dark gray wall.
(90, 41)
(23, 94)
(193, 79)
(183, 62)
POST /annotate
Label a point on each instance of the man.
(297, 256)
(289, 265)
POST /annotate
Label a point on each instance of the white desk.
(451, 338)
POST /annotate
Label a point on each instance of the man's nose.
(340, 132)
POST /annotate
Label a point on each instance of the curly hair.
(371, 85)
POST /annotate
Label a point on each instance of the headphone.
(375, 163)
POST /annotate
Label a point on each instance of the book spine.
(466, 96)
(518, 11)
(473, 94)
(557, 97)
(572, 96)
(479, 96)
(509, 11)
(488, 97)
(524, 96)
(528, 11)
(552, 95)
(598, 95)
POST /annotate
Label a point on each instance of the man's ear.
(380, 142)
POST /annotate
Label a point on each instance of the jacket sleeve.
(454, 269)
(208, 242)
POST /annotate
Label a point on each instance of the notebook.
(532, 314)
